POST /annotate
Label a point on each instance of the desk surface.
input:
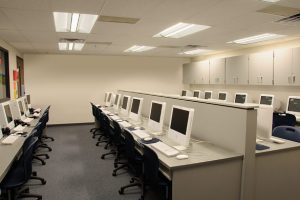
(8, 153)
(288, 145)
(199, 152)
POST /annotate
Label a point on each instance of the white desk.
(208, 166)
(8, 153)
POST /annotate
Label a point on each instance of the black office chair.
(287, 132)
(283, 119)
(150, 175)
(37, 132)
(44, 120)
(104, 136)
(20, 173)
(94, 112)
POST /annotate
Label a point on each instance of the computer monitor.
(266, 99)
(293, 106)
(26, 107)
(6, 117)
(27, 97)
(207, 94)
(197, 94)
(18, 109)
(108, 99)
(240, 98)
(125, 105)
(186, 93)
(117, 101)
(222, 96)
(180, 126)
(105, 97)
(156, 117)
(136, 108)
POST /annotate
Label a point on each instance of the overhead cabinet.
(237, 70)
(261, 68)
(217, 71)
(196, 73)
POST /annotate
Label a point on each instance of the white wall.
(280, 92)
(12, 53)
(70, 82)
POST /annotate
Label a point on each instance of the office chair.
(104, 136)
(44, 121)
(94, 112)
(37, 132)
(20, 173)
(283, 119)
(98, 117)
(287, 132)
(150, 175)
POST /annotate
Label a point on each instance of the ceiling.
(28, 25)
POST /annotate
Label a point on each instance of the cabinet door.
(203, 71)
(217, 71)
(296, 66)
(237, 70)
(261, 68)
(187, 71)
(283, 66)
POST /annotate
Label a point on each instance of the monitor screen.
(183, 93)
(240, 98)
(21, 107)
(196, 94)
(294, 105)
(8, 113)
(124, 104)
(135, 106)
(179, 120)
(207, 95)
(156, 112)
(26, 104)
(108, 98)
(222, 96)
(266, 100)
(116, 99)
(28, 98)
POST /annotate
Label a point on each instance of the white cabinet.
(217, 71)
(296, 67)
(283, 59)
(196, 73)
(237, 70)
(261, 68)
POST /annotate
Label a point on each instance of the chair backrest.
(288, 133)
(117, 132)
(150, 166)
(283, 119)
(129, 146)
(27, 156)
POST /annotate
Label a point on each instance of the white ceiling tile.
(26, 4)
(12, 36)
(80, 6)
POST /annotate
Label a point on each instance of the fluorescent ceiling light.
(62, 46)
(257, 38)
(74, 22)
(78, 46)
(271, 1)
(137, 48)
(196, 52)
(180, 30)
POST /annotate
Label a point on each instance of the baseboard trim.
(71, 124)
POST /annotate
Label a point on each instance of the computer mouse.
(182, 156)
(148, 138)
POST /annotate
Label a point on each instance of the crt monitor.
(180, 125)
(207, 94)
(156, 117)
(240, 98)
(183, 93)
(125, 105)
(222, 96)
(266, 99)
(26, 107)
(293, 106)
(28, 98)
(6, 115)
(117, 101)
(197, 93)
(109, 99)
(136, 108)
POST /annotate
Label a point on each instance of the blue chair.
(288, 133)
(20, 173)
(283, 119)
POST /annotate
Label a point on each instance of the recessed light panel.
(74, 22)
(257, 38)
(180, 30)
(271, 1)
(196, 52)
(137, 48)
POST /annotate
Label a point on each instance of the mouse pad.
(154, 140)
(261, 147)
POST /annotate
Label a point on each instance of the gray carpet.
(76, 172)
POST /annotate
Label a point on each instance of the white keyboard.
(165, 149)
(10, 139)
(125, 124)
(19, 128)
(114, 117)
(141, 133)
(28, 120)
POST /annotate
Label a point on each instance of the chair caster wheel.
(121, 191)
(43, 163)
(131, 181)
(114, 174)
(47, 156)
(115, 165)
(102, 157)
(44, 182)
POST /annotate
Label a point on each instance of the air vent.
(279, 10)
(113, 19)
(71, 40)
(194, 46)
